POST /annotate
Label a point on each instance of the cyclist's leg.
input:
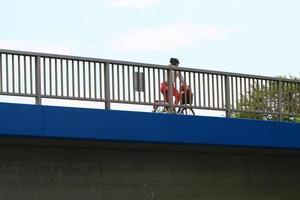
(176, 94)
(164, 90)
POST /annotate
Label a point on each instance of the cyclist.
(164, 86)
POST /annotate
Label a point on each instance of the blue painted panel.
(96, 124)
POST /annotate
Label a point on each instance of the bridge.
(53, 152)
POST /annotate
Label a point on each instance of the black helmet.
(174, 61)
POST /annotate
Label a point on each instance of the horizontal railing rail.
(41, 75)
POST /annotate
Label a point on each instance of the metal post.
(227, 96)
(279, 100)
(107, 86)
(38, 92)
(170, 90)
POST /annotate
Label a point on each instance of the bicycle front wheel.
(187, 111)
(159, 109)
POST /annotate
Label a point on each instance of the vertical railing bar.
(25, 77)
(19, 74)
(185, 79)
(222, 91)
(277, 97)
(241, 93)
(73, 78)
(139, 92)
(270, 83)
(158, 72)
(190, 80)
(154, 83)
(62, 76)
(144, 85)
(182, 97)
(285, 90)
(164, 81)
(298, 93)
(95, 80)
(139, 83)
(227, 95)
(208, 90)
(213, 89)
(289, 98)
(84, 79)
(232, 92)
(78, 78)
(31, 74)
(248, 93)
(262, 87)
(236, 92)
(50, 73)
(44, 75)
(199, 89)
(257, 93)
(13, 72)
(107, 86)
(264, 82)
(38, 92)
(296, 106)
(25, 74)
(286, 98)
(204, 91)
(217, 82)
(194, 89)
(7, 75)
(56, 76)
(100, 79)
(118, 82)
(294, 100)
(177, 72)
(133, 70)
(113, 80)
(128, 82)
(149, 88)
(68, 74)
(123, 80)
(1, 71)
(90, 79)
(245, 92)
(185, 90)
(264, 96)
(120, 87)
(170, 89)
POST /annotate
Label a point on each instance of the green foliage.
(265, 98)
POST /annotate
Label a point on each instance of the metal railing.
(42, 75)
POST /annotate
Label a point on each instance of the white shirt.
(175, 74)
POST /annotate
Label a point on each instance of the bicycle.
(161, 107)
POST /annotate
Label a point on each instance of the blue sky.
(245, 36)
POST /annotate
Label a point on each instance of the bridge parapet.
(40, 75)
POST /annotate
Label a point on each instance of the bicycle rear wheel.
(187, 111)
(159, 107)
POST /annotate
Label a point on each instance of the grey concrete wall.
(61, 173)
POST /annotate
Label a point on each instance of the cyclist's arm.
(181, 79)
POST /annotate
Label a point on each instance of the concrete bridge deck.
(73, 153)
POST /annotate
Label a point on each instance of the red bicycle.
(185, 100)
